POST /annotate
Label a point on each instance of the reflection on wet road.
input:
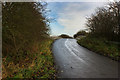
(74, 61)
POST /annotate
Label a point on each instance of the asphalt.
(75, 61)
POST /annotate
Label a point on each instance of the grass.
(39, 63)
(101, 46)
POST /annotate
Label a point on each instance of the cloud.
(75, 0)
(72, 16)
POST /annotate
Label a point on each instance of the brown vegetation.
(104, 36)
(26, 43)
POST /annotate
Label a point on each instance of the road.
(75, 61)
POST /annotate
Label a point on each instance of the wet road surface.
(74, 61)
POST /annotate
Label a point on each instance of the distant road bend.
(74, 61)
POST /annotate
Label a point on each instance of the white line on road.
(73, 52)
(74, 48)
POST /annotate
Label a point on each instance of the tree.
(104, 23)
(23, 23)
(80, 33)
(64, 36)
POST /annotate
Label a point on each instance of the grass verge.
(39, 63)
(101, 46)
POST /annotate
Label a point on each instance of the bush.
(65, 36)
(100, 46)
(26, 44)
(38, 65)
(80, 33)
(104, 22)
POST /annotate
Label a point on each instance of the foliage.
(22, 23)
(64, 36)
(25, 34)
(104, 35)
(40, 65)
(101, 46)
(104, 23)
(80, 33)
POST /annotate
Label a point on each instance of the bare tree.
(104, 23)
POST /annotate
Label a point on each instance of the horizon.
(70, 17)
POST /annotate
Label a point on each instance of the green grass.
(101, 46)
(39, 64)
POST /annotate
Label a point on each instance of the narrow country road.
(74, 61)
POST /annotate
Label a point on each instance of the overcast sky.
(70, 17)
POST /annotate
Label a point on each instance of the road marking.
(74, 49)
(73, 52)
